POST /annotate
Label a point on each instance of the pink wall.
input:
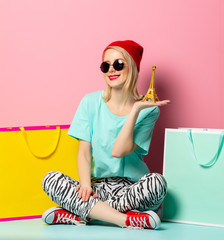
(50, 51)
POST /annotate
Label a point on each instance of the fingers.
(140, 105)
(163, 103)
(159, 103)
(85, 193)
(80, 192)
(94, 195)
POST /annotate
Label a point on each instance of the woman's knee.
(49, 178)
(157, 182)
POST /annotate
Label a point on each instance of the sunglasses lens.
(118, 65)
(104, 67)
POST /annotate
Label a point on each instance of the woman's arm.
(84, 163)
(124, 144)
(84, 170)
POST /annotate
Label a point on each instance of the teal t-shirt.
(95, 123)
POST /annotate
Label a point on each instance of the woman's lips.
(113, 77)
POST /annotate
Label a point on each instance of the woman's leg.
(146, 194)
(61, 189)
(106, 188)
(103, 212)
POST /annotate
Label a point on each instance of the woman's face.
(115, 79)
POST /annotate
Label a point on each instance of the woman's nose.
(111, 69)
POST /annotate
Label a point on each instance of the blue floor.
(35, 229)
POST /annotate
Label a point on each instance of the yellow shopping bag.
(26, 155)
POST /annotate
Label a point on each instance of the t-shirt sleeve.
(80, 127)
(143, 130)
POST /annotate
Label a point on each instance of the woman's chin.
(116, 85)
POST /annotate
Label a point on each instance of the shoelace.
(138, 222)
(75, 222)
(68, 219)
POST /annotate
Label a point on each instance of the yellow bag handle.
(39, 155)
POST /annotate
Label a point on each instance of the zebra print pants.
(120, 193)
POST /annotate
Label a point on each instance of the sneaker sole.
(155, 218)
(46, 214)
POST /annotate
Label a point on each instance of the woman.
(114, 129)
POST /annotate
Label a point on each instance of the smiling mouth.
(113, 77)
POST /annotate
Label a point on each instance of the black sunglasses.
(118, 65)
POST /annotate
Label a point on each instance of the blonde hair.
(130, 86)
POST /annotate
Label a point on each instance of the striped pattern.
(146, 194)
(61, 189)
(121, 193)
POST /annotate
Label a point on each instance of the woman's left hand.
(147, 104)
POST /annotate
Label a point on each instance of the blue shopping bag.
(194, 170)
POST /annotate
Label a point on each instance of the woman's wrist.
(84, 181)
(136, 109)
(85, 184)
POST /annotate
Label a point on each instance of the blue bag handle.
(214, 159)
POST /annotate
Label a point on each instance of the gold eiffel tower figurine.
(151, 94)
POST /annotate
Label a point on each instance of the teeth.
(114, 77)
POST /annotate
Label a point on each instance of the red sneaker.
(57, 215)
(147, 219)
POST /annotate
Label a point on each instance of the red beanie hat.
(133, 48)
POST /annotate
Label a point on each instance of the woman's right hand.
(85, 193)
